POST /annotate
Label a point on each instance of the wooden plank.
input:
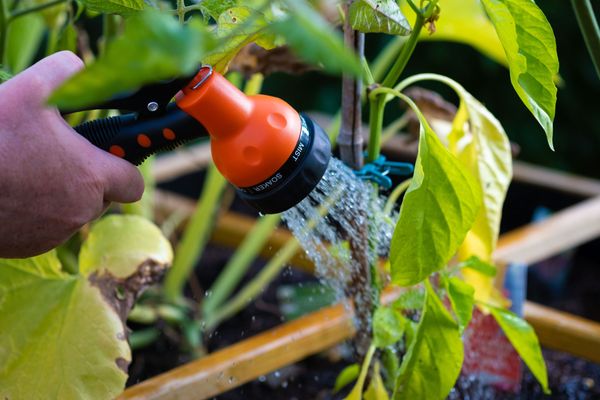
(565, 332)
(555, 180)
(563, 230)
(248, 359)
(182, 161)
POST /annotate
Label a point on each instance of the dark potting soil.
(313, 378)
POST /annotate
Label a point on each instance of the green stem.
(394, 196)
(255, 286)
(589, 28)
(34, 9)
(357, 391)
(238, 265)
(181, 11)
(253, 289)
(386, 57)
(377, 104)
(3, 30)
(376, 108)
(195, 236)
(405, 53)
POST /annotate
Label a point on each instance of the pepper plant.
(441, 251)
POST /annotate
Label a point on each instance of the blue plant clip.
(379, 170)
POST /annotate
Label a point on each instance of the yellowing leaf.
(464, 21)
(119, 244)
(482, 147)
(63, 335)
(530, 49)
(438, 210)
(60, 339)
(434, 358)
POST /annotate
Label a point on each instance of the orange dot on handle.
(117, 151)
(144, 140)
(168, 134)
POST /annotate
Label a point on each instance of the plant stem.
(405, 53)
(249, 292)
(589, 28)
(34, 9)
(395, 195)
(377, 104)
(3, 30)
(196, 235)
(357, 390)
(350, 140)
(376, 108)
(181, 10)
(237, 266)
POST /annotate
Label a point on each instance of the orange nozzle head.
(252, 137)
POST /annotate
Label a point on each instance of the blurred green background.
(577, 121)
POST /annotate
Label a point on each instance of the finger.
(42, 78)
(123, 182)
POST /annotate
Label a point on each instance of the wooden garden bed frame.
(291, 342)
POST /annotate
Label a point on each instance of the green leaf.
(461, 298)
(115, 6)
(214, 8)
(482, 267)
(236, 28)
(523, 338)
(388, 326)
(378, 16)
(152, 48)
(347, 376)
(530, 48)
(434, 359)
(479, 142)
(120, 244)
(25, 35)
(312, 39)
(66, 330)
(58, 328)
(438, 210)
(376, 389)
(464, 21)
(411, 299)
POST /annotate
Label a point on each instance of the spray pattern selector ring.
(378, 171)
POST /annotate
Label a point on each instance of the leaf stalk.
(589, 29)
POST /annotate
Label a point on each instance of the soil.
(313, 378)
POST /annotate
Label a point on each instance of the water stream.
(339, 212)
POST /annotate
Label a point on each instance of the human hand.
(52, 181)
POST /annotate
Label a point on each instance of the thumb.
(45, 76)
(123, 182)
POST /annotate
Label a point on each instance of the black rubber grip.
(135, 139)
